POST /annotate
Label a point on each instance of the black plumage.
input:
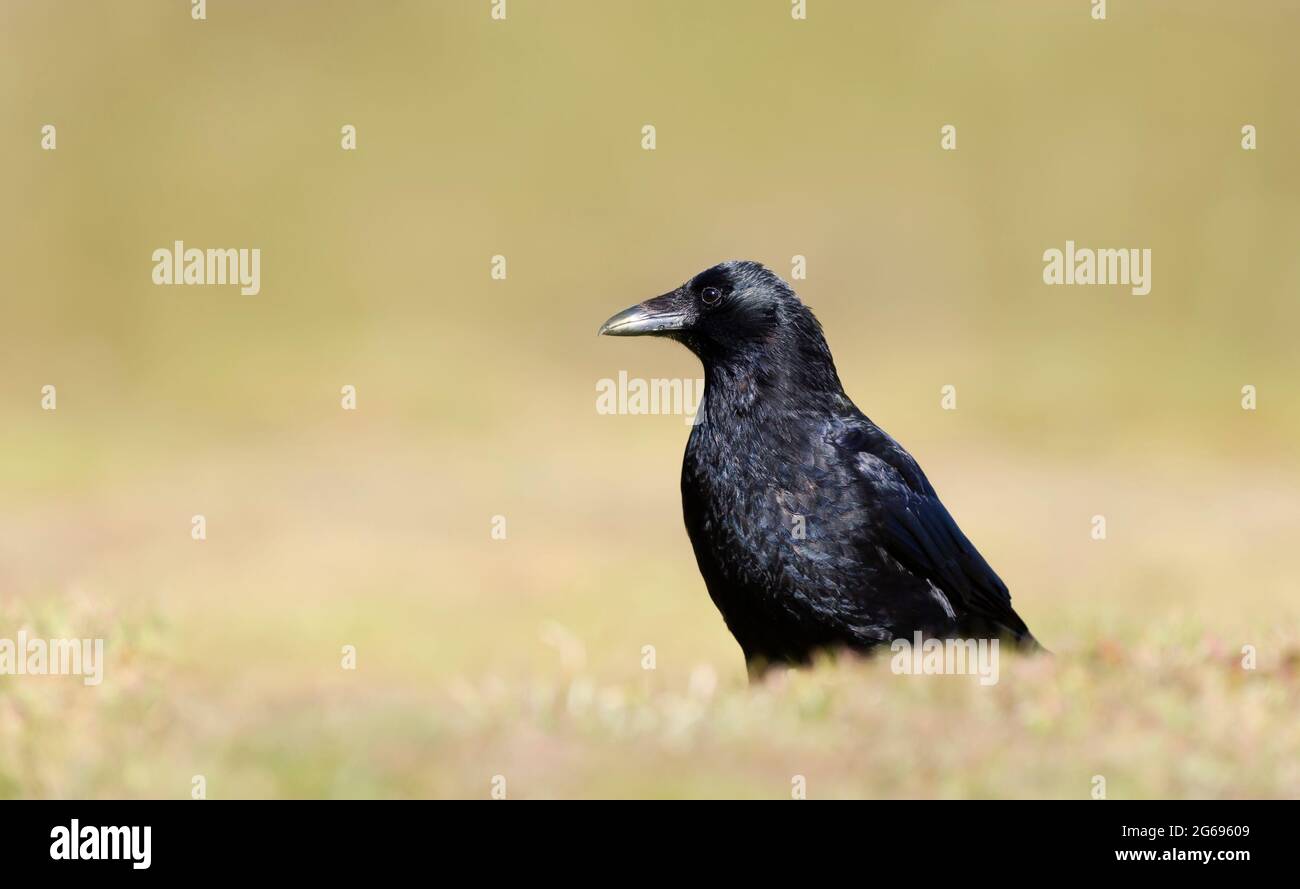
(812, 527)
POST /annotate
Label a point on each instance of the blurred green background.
(476, 397)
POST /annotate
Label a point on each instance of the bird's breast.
(768, 519)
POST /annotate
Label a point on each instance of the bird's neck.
(761, 387)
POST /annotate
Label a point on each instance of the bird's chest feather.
(777, 525)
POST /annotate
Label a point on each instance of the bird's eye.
(710, 296)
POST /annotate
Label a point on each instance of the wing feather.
(917, 530)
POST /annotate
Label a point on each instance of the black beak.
(657, 315)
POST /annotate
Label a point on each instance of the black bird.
(813, 528)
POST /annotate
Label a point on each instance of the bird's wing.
(916, 529)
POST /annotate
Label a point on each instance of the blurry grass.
(523, 657)
(1154, 720)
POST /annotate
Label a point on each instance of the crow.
(813, 529)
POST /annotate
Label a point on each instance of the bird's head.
(735, 312)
